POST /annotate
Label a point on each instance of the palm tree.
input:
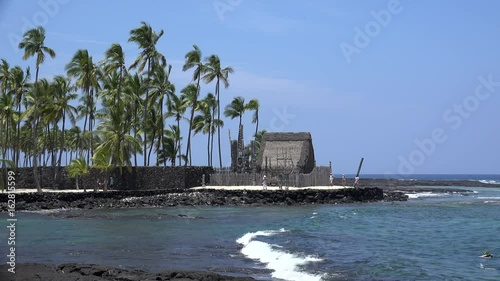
(254, 105)
(118, 145)
(147, 39)
(110, 93)
(177, 106)
(161, 87)
(134, 87)
(258, 140)
(63, 94)
(8, 118)
(20, 87)
(236, 109)
(213, 70)
(193, 59)
(74, 141)
(203, 122)
(4, 76)
(168, 152)
(33, 44)
(5, 101)
(115, 61)
(78, 168)
(87, 73)
(190, 92)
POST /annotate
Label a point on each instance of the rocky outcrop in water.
(91, 272)
(206, 197)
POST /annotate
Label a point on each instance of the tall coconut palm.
(20, 86)
(33, 43)
(134, 88)
(115, 62)
(161, 87)
(168, 152)
(254, 105)
(4, 86)
(190, 92)
(193, 60)
(87, 74)
(62, 109)
(213, 70)
(204, 121)
(177, 106)
(147, 39)
(236, 109)
(117, 143)
(8, 118)
(4, 76)
(110, 93)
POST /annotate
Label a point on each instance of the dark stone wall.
(139, 178)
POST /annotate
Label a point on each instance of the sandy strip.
(241, 187)
(259, 187)
(33, 190)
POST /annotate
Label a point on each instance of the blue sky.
(405, 94)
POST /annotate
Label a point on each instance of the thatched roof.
(285, 149)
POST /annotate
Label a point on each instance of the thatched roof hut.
(285, 150)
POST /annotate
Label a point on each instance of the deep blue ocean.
(433, 236)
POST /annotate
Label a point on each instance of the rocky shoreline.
(204, 197)
(370, 191)
(92, 272)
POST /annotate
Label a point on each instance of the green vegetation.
(126, 111)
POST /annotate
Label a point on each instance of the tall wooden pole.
(359, 168)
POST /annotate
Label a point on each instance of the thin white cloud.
(77, 39)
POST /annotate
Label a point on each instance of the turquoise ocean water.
(433, 236)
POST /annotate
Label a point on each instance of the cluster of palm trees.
(125, 109)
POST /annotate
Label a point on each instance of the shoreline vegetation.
(371, 190)
(116, 112)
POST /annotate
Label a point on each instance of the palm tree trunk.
(179, 140)
(151, 147)
(135, 131)
(91, 120)
(56, 176)
(18, 138)
(144, 115)
(160, 135)
(217, 89)
(195, 101)
(53, 157)
(83, 134)
(35, 135)
(208, 149)
(254, 141)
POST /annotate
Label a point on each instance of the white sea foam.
(488, 198)
(425, 195)
(489, 181)
(284, 265)
(49, 211)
